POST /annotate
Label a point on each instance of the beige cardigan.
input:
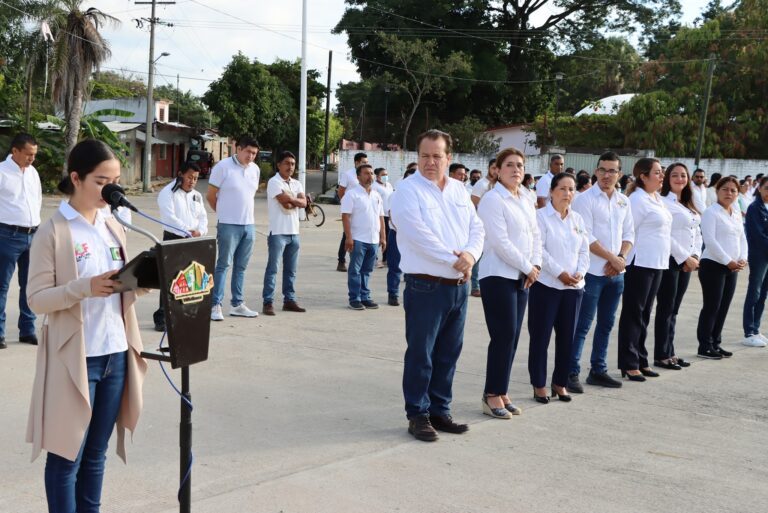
(60, 410)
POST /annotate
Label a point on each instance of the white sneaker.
(762, 337)
(753, 341)
(242, 311)
(216, 313)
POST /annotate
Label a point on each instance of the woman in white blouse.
(725, 254)
(510, 264)
(555, 298)
(646, 262)
(686, 250)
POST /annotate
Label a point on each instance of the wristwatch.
(621, 255)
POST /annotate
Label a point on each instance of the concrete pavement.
(303, 413)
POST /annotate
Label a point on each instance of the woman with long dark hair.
(684, 259)
(646, 262)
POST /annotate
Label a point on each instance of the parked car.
(203, 159)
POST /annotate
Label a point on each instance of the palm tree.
(78, 50)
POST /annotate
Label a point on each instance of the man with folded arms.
(440, 238)
(21, 199)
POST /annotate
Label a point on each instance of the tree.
(469, 136)
(79, 49)
(187, 107)
(113, 84)
(422, 71)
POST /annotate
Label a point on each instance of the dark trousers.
(342, 250)
(159, 315)
(434, 330)
(558, 309)
(14, 251)
(757, 290)
(393, 265)
(386, 237)
(640, 287)
(718, 284)
(504, 303)
(674, 284)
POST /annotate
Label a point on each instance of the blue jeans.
(361, 262)
(14, 250)
(393, 265)
(434, 330)
(754, 302)
(286, 246)
(75, 486)
(601, 295)
(235, 247)
(475, 282)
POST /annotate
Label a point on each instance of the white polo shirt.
(699, 197)
(686, 229)
(481, 187)
(723, 234)
(653, 231)
(607, 220)
(385, 190)
(348, 179)
(366, 210)
(182, 209)
(565, 247)
(432, 224)
(512, 239)
(237, 186)
(281, 220)
(97, 251)
(21, 195)
(543, 185)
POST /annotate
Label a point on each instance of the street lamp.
(386, 104)
(150, 120)
(558, 78)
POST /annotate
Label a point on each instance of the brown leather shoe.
(342, 267)
(476, 293)
(447, 424)
(268, 309)
(421, 429)
(292, 306)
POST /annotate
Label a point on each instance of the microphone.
(114, 195)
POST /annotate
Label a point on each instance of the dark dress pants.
(674, 284)
(718, 284)
(640, 287)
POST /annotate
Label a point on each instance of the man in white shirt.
(347, 180)
(440, 238)
(21, 199)
(231, 191)
(474, 176)
(699, 188)
(183, 212)
(556, 166)
(285, 196)
(362, 214)
(384, 188)
(458, 172)
(611, 233)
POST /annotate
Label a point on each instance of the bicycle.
(314, 212)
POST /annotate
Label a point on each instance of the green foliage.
(111, 84)
(596, 131)
(187, 107)
(469, 137)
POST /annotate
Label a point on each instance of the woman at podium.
(89, 370)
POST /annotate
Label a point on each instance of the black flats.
(649, 373)
(671, 365)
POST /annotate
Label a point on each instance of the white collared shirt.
(96, 252)
(512, 240)
(182, 209)
(432, 224)
(699, 197)
(481, 187)
(711, 196)
(723, 233)
(608, 220)
(564, 247)
(348, 179)
(653, 231)
(543, 185)
(282, 221)
(365, 210)
(385, 190)
(686, 229)
(237, 186)
(21, 195)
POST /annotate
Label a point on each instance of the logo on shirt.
(192, 284)
(116, 254)
(621, 203)
(82, 252)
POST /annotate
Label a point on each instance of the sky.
(207, 33)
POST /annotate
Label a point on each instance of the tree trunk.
(72, 129)
(28, 104)
(416, 103)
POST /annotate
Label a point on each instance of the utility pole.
(150, 120)
(705, 107)
(178, 100)
(327, 122)
(303, 100)
(558, 78)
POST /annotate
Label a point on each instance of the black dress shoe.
(370, 305)
(574, 385)
(649, 373)
(632, 377)
(3, 345)
(422, 429)
(447, 424)
(709, 354)
(602, 379)
(683, 363)
(392, 301)
(543, 399)
(28, 339)
(723, 352)
(667, 365)
(563, 397)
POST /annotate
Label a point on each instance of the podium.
(183, 272)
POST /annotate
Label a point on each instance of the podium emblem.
(191, 284)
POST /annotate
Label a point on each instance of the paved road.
(303, 413)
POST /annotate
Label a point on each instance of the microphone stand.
(135, 228)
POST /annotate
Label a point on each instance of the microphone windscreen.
(112, 193)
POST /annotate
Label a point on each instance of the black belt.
(439, 279)
(25, 229)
